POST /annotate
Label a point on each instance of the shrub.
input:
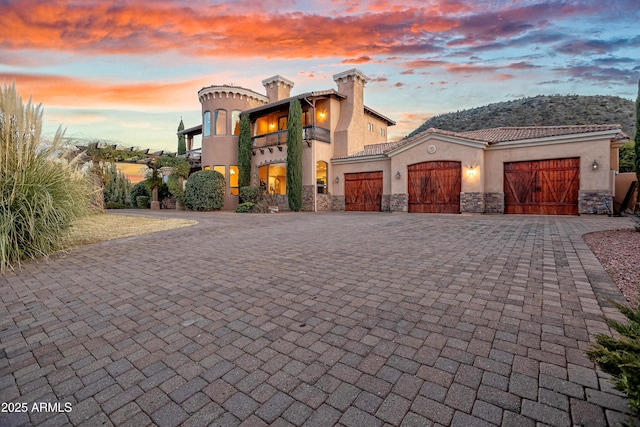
(139, 189)
(245, 207)
(41, 191)
(115, 205)
(174, 186)
(249, 194)
(620, 357)
(204, 191)
(142, 202)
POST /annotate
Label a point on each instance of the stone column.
(155, 203)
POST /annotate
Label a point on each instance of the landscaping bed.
(619, 253)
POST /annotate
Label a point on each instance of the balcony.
(309, 133)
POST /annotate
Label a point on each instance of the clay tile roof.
(621, 136)
(492, 136)
(504, 134)
(370, 150)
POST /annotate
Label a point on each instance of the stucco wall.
(374, 136)
(623, 180)
(339, 170)
(588, 151)
(444, 151)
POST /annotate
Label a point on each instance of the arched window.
(321, 176)
(220, 122)
(206, 123)
(235, 122)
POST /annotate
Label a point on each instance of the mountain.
(541, 110)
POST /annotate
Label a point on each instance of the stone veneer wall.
(323, 202)
(399, 203)
(593, 202)
(386, 203)
(337, 203)
(493, 202)
(307, 198)
(472, 202)
(279, 200)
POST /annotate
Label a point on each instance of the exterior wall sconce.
(471, 171)
(322, 115)
(398, 175)
(595, 165)
(337, 179)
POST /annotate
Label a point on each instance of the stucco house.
(335, 123)
(348, 164)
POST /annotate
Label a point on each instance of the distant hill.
(541, 110)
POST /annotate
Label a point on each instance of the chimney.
(350, 131)
(277, 88)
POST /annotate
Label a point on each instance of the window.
(282, 123)
(305, 118)
(206, 168)
(206, 122)
(233, 180)
(370, 127)
(382, 132)
(273, 178)
(220, 122)
(235, 122)
(321, 177)
(221, 169)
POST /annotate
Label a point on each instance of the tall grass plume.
(42, 189)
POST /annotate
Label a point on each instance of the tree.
(627, 157)
(294, 156)
(117, 187)
(637, 146)
(244, 152)
(182, 145)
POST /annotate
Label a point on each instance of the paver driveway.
(314, 319)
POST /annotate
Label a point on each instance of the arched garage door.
(434, 187)
(545, 187)
(363, 191)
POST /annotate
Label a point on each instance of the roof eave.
(379, 116)
(274, 105)
(358, 159)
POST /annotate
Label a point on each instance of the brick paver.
(315, 319)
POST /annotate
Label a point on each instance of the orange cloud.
(136, 27)
(360, 60)
(73, 92)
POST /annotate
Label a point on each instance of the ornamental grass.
(42, 190)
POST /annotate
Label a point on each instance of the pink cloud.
(73, 92)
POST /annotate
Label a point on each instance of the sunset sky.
(126, 71)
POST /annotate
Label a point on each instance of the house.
(552, 170)
(335, 123)
(348, 164)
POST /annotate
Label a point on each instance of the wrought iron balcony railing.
(280, 137)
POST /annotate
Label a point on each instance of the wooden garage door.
(545, 187)
(434, 187)
(363, 191)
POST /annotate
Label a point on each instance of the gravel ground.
(619, 253)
